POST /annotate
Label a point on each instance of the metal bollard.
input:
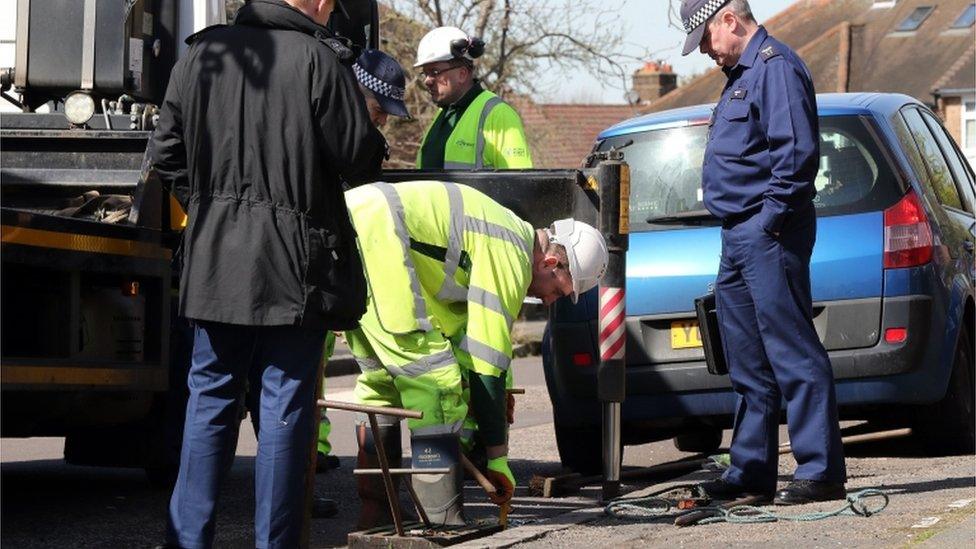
(614, 177)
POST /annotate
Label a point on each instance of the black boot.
(325, 462)
(723, 490)
(802, 491)
(323, 508)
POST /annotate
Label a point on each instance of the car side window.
(964, 181)
(940, 177)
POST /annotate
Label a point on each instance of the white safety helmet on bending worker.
(586, 252)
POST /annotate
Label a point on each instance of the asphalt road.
(46, 503)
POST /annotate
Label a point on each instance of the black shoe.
(323, 508)
(325, 462)
(806, 491)
(721, 489)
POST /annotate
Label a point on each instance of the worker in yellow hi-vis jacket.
(447, 270)
(474, 128)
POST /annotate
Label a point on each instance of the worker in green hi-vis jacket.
(474, 128)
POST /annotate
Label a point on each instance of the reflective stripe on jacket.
(488, 135)
(446, 257)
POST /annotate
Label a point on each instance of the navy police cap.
(694, 14)
(382, 75)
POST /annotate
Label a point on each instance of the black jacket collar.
(278, 15)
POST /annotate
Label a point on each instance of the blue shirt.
(763, 148)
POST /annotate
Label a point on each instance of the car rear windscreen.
(665, 172)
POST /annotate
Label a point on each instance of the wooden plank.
(550, 487)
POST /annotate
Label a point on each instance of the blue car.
(892, 278)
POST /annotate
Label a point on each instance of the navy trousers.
(765, 311)
(286, 358)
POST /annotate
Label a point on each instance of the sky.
(646, 24)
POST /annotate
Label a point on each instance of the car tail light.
(896, 335)
(582, 359)
(907, 234)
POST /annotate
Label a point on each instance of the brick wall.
(950, 110)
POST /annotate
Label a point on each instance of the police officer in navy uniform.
(758, 177)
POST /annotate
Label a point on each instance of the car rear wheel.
(580, 448)
(948, 427)
(702, 442)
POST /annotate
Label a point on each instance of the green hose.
(653, 507)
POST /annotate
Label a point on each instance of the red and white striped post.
(614, 180)
(612, 314)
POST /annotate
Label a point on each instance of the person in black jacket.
(261, 125)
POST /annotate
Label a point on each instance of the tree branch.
(487, 8)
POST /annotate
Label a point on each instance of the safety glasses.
(434, 73)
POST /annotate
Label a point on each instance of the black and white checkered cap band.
(376, 85)
(702, 15)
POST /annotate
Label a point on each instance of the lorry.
(92, 347)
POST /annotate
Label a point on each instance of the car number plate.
(685, 334)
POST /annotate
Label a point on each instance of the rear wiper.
(693, 215)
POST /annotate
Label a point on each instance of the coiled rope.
(653, 507)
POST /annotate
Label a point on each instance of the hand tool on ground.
(488, 487)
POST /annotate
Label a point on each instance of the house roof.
(561, 135)
(850, 46)
(910, 63)
(960, 74)
(847, 44)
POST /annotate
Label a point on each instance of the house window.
(915, 20)
(966, 18)
(969, 125)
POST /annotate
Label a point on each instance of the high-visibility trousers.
(325, 426)
(416, 371)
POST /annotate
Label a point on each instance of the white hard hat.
(586, 251)
(447, 43)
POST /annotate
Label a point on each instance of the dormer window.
(915, 20)
(966, 18)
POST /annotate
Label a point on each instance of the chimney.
(653, 80)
